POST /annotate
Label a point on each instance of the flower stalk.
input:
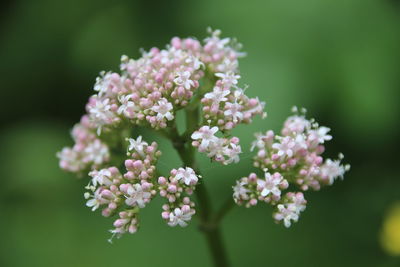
(209, 224)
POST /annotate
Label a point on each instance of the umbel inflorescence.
(202, 79)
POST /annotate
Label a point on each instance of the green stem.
(208, 225)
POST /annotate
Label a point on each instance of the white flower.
(233, 110)
(101, 113)
(239, 93)
(285, 147)
(290, 211)
(229, 78)
(125, 104)
(296, 124)
(216, 148)
(101, 109)
(332, 169)
(137, 145)
(259, 142)
(103, 83)
(94, 203)
(240, 191)
(300, 142)
(218, 95)
(228, 65)
(207, 136)
(262, 140)
(322, 134)
(137, 196)
(96, 152)
(196, 63)
(163, 109)
(182, 79)
(270, 184)
(188, 176)
(299, 201)
(102, 177)
(70, 160)
(232, 153)
(179, 217)
(287, 213)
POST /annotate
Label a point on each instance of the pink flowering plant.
(202, 79)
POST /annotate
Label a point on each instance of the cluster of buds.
(226, 105)
(294, 158)
(148, 92)
(298, 152)
(142, 167)
(126, 193)
(104, 190)
(126, 223)
(88, 152)
(224, 150)
(289, 208)
(130, 192)
(176, 189)
(249, 190)
(151, 89)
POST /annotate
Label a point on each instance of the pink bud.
(137, 164)
(165, 215)
(106, 212)
(172, 188)
(129, 163)
(162, 180)
(115, 77)
(119, 223)
(253, 102)
(303, 172)
(144, 175)
(124, 187)
(235, 140)
(318, 160)
(132, 229)
(185, 208)
(138, 83)
(113, 170)
(275, 157)
(229, 125)
(252, 177)
(129, 175)
(186, 200)
(253, 202)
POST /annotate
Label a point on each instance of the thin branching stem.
(208, 225)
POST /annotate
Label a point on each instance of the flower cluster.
(177, 189)
(87, 153)
(249, 190)
(148, 92)
(294, 158)
(127, 193)
(151, 89)
(226, 104)
(222, 150)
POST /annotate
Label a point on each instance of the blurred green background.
(338, 58)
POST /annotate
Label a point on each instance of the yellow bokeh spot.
(390, 235)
